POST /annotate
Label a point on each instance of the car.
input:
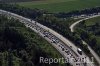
(63, 49)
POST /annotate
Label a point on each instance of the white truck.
(79, 51)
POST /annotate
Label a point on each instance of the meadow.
(61, 5)
(92, 21)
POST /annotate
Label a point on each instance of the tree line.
(20, 46)
(87, 11)
(52, 20)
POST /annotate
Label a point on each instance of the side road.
(91, 50)
(53, 37)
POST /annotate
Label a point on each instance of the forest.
(52, 20)
(20, 46)
(59, 22)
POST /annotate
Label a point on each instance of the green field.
(61, 5)
(92, 21)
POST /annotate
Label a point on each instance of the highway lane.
(57, 44)
(61, 44)
(72, 30)
(34, 26)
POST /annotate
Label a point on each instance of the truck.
(79, 51)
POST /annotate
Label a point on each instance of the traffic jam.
(67, 52)
(56, 41)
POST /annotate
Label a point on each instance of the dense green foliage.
(20, 46)
(26, 12)
(33, 13)
(49, 21)
(61, 25)
(30, 48)
(89, 31)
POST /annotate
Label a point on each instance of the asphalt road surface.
(63, 45)
(91, 50)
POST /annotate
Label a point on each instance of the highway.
(91, 50)
(63, 45)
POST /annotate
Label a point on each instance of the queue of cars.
(56, 41)
(46, 34)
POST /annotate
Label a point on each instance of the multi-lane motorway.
(63, 45)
